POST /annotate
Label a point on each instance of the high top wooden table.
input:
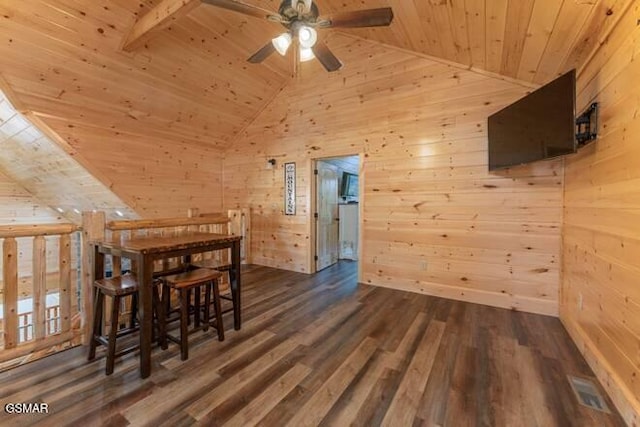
(147, 249)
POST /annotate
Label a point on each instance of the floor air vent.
(587, 393)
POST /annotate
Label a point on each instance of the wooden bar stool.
(118, 288)
(227, 292)
(184, 283)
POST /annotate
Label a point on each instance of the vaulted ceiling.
(190, 81)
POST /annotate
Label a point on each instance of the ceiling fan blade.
(262, 54)
(243, 8)
(360, 18)
(326, 57)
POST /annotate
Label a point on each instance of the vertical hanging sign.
(290, 188)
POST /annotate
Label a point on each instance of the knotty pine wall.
(155, 177)
(18, 206)
(600, 303)
(435, 221)
(88, 167)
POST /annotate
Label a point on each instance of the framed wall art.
(290, 188)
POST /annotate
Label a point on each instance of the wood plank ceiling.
(531, 40)
(190, 82)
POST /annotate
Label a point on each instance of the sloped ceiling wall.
(18, 206)
(48, 173)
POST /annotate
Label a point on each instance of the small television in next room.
(349, 186)
(539, 126)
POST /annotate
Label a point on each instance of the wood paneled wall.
(435, 221)
(600, 303)
(18, 206)
(88, 168)
(155, 177)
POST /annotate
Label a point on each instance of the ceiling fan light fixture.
(282, 43)
(306, 54)
(308, 36)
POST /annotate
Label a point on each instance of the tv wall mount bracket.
(587, 125)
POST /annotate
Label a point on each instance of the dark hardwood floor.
(323, 350)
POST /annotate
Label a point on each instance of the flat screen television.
(349, 185)
(539, 126)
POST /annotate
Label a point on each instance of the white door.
(327, 215)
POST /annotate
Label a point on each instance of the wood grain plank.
(209, 401)
(39, 287)
(404, 406)
(543, 19)
(259, 407)
(316, 408)
(518, 18)
(65, 288)
(10, 292)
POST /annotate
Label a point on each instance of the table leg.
(236, 286)
(88, 291)
(145, 279)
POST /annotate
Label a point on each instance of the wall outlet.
(580, 301)
(423, 265)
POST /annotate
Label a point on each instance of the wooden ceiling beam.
(157, 18)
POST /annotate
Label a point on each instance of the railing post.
(246, 235)
(39, 287)
(10, 280)
(93, 229)
(240, 225)
(65, 282)
(116, 261)
(235, 222)
(193, 213)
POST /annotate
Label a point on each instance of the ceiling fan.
(301, 18)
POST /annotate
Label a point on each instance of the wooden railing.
(42, 327)
(28, 274)
(25, 323)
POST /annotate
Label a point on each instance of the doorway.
(336, 215)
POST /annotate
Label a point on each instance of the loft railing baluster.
(10, 280)
(39, 287)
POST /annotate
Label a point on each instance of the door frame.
(311, 202)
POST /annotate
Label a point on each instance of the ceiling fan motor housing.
(298, 10)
